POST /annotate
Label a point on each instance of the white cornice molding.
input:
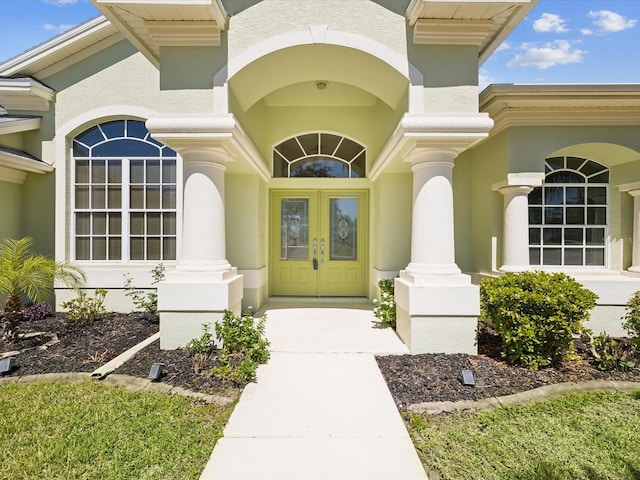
(522, 179)
(184, 34)
(208, 131)
(25, 94)
(632, 189)
(432, 130)
(63, 45)
(18, 125)
(451, 32)
(561, 105)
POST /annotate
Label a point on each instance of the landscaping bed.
(411, 378)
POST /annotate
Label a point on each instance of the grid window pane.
(572, 210)
(141, 192)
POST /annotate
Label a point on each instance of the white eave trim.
(30, 58)
(14, 167)
(18, 125)
(25, 94)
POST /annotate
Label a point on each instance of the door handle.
(315, 252)
(322, 250)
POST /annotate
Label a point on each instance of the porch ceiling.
(149, 24)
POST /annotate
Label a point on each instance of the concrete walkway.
(320, 408)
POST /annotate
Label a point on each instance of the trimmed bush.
(632, 320)
(536, 315)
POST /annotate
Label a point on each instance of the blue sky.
(561, 41)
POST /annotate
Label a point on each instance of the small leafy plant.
(536, 315)
(201, 348)
(632, 320)
(610, 354)
(244, 347)
(146, 301)
(385, 308)
(37, 311)
(85, 309)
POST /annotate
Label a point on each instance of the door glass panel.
(294, 229)
(343, 224)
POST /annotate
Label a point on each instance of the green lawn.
(582, 436)
(93, 431)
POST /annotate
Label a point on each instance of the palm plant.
(23, 272)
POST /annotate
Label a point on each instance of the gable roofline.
(58, 53)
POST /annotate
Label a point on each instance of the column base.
(634, 269)
(437, 315)
(187, 300)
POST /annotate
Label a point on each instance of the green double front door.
(318, 243)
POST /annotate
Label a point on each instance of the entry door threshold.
(361, 303)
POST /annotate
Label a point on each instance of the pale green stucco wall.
(12, 140)
(38, 214)
(391, 218)
(462, 205)
(11, 201)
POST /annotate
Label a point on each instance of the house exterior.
(266, 148)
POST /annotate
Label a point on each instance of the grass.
(90, 430)
(581, 436)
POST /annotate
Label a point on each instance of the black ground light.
(156, 372)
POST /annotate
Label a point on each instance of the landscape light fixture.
(466, 378)
(156, 372)
(6, 365)
(322, 84)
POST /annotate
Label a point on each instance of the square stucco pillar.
(203, 284)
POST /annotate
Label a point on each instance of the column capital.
(420, 154)
(218, 137)
(524, 179)
(632, 189)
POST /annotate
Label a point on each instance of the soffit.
(57, 53)
(15, 164)
(561, 105)
(150, 24)
(25, 94)
(16, 124)
(479, 22)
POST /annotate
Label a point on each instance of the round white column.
(635, 263)
(515, 236)
(203, 223)
(432, 236)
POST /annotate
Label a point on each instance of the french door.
(318, 244)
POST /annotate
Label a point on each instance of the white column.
(635, 263)
(515, 235)
(432, 236)
(203, 231)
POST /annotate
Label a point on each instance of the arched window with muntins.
(319, 155)
(124, 194)
(568, 214)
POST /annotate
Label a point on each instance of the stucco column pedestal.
(633, 189)
(436, 305)
(203, 284)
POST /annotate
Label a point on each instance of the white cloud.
(63, 27)
(484, 80)
(503, 46)
(558, 52)
(609, 21)
(61, 3)
(586, 32)
(550, 22)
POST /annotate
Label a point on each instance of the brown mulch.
(70, 347)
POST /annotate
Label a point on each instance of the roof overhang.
(25, 94)
(471, 22)
(561, 105)
(53, 56)
(16, 164)
(151, 24)
(17, 124)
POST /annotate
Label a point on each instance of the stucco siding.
(392, 215)
(11, 201)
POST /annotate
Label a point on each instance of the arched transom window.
(568, 215)
(124, 195)
(319, 155)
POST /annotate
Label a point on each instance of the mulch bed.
(70, 347)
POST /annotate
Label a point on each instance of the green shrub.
(244, 347)
(610, 354)
(536, 315)
(632, 320)
(146, 301)
(385, 308)
(84, 309)
(203, 344)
